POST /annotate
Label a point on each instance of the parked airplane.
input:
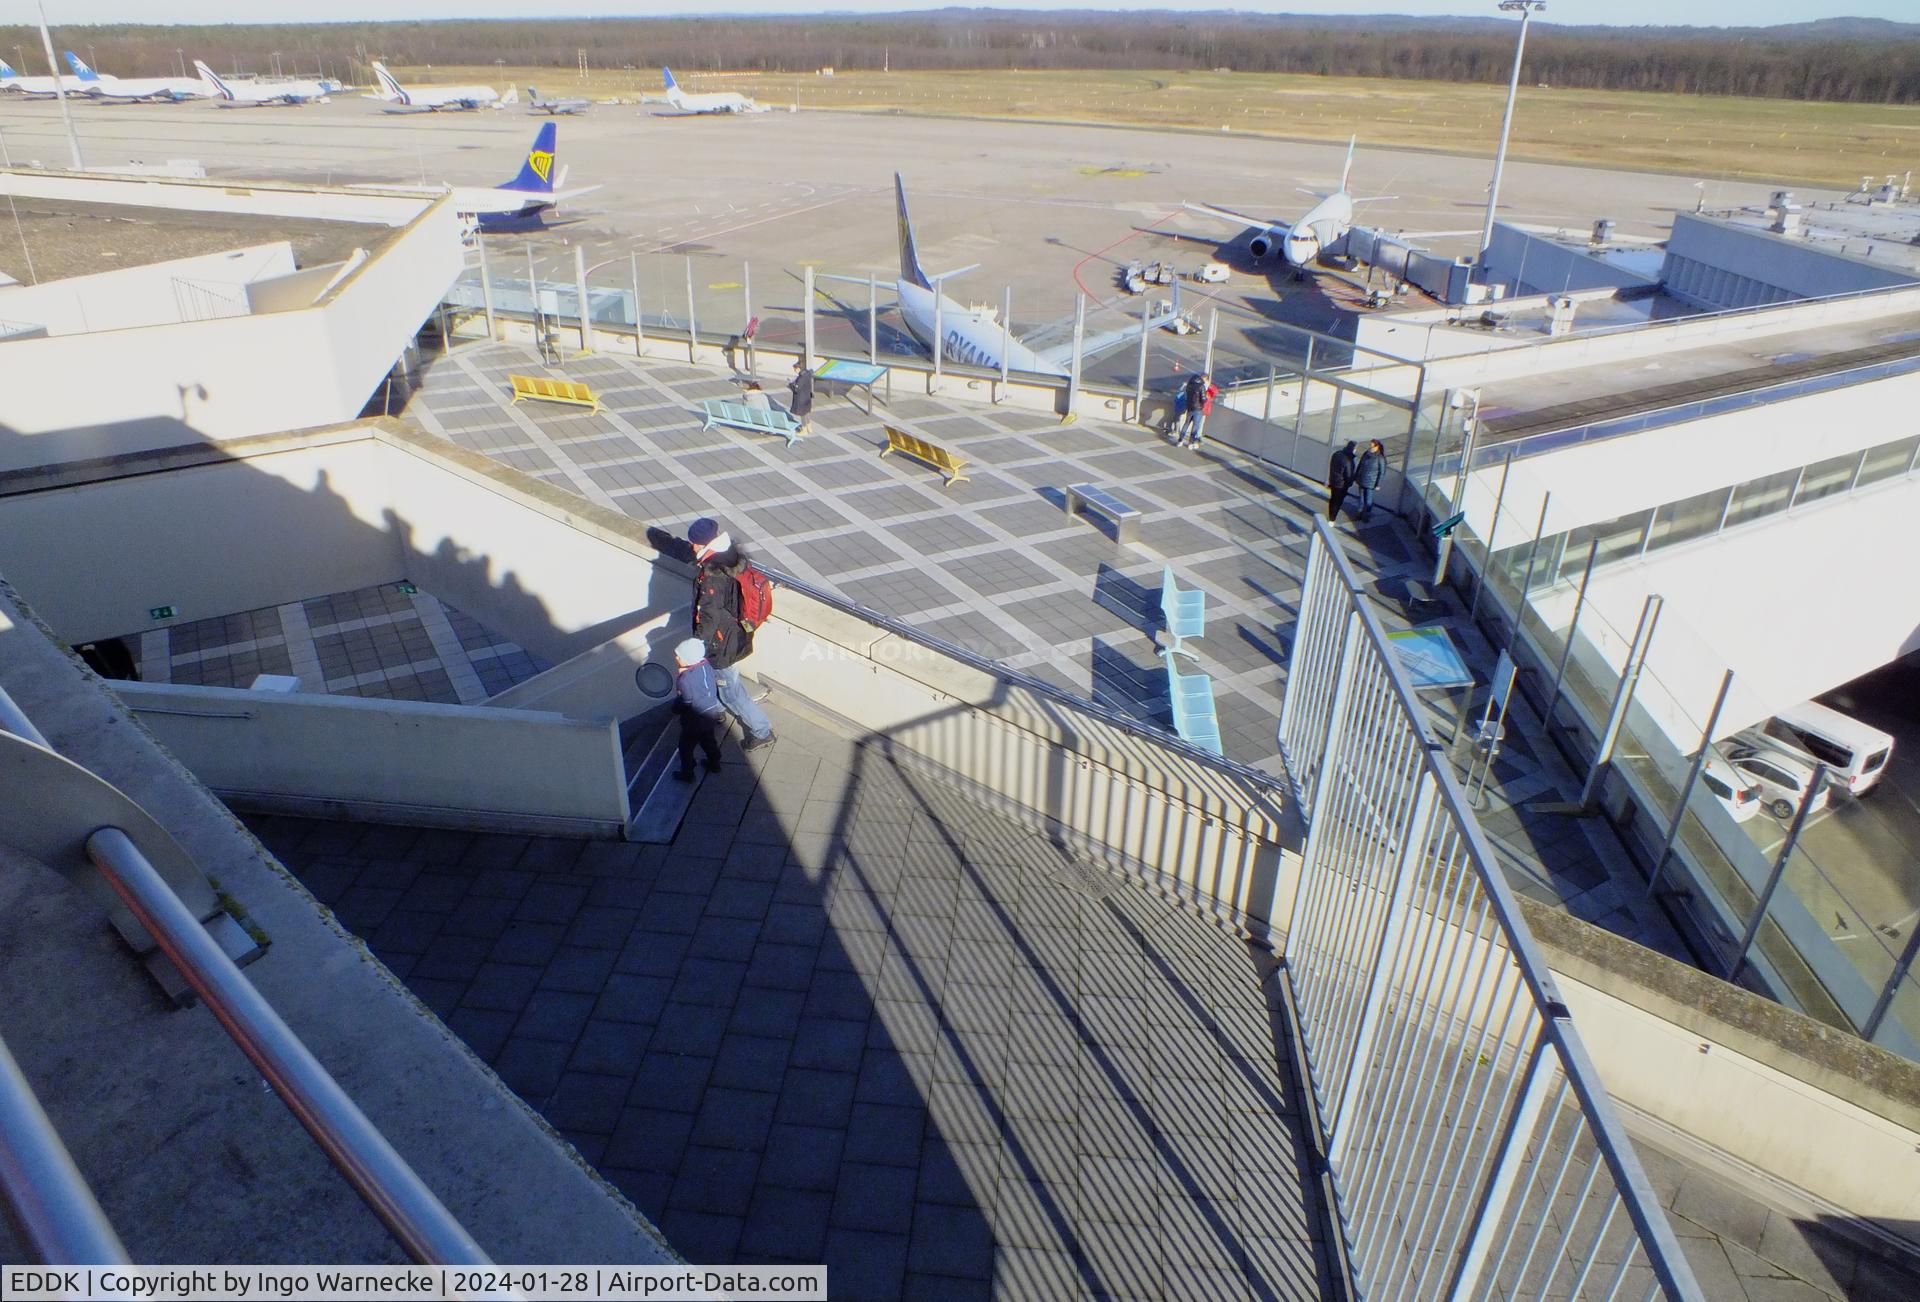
(433, 99)
(555, 106)
(163, 89)
(1301, 243)
(974, 336)
(36, 87)
(716, 102)
(247, 94)
(513, 204)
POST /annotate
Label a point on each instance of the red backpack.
(756, 597)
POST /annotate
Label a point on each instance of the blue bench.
(1185, 611)
(742, 415)
(1194, 718)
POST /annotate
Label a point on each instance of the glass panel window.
(1687, 519)
(1888, 460)
(1825, 478)
(1761, 497)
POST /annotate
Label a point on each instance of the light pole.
(180, 60)
(1526, 9)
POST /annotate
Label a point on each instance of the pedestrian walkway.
(848, 1016)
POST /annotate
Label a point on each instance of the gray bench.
(1126, 519)
(742, 415)
(1195, 720)
(1186, 613)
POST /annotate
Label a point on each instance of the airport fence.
(1472, 1147)
(1287, 392)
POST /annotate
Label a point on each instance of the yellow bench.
(898, 440)
(544, 390)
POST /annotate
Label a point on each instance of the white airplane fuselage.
(1324, 225)
(967, 336)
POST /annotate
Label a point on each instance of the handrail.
(395, 1192)
(45, 1196)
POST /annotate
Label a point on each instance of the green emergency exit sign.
(160, 612)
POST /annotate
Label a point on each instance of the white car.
(1782, 779)
(1738, 795)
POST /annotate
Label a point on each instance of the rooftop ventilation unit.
(1602, 231)
(1785, 213)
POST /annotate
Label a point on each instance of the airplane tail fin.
(391, 87)
(1347, 171)
(208, 75)
(6, 70)
(536, 174)
(80, 69)
(910, 269)
(672, 85)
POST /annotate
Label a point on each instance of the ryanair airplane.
(537, 188)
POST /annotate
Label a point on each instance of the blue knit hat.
(703, 531)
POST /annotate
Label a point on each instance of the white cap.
(690, 652)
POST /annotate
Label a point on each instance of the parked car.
(1740, 796)
(1855, 753)
(1783, 779)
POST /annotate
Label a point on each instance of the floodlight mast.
(59, 89)
(1526, 9)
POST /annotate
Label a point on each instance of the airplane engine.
(1263, 244)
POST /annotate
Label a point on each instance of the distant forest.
(1841, 60)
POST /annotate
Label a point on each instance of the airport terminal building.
(1155, 889)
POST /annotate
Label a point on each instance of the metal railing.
(1473, 1150)
(42, 1191)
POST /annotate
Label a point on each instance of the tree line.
(1845, 61)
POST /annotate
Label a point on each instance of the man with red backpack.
(731, 598)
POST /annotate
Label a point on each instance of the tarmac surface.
(1049, 210)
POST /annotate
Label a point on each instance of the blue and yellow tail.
(537, 174)
(910, 269)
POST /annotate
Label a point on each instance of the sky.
(1626, 12)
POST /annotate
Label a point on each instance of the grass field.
(1746, 139)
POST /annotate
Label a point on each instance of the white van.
(1854, 753)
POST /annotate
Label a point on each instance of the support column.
(1622, 698)
(486, 291)
(580, 289)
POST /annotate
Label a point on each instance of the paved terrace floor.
(848, 1016)
(995, 565)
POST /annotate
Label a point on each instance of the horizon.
(1627, 14)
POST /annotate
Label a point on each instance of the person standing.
(1367, 476)
(697, 702)
(1207, 394)
(721, 621)
(801, 387)
(1340, 472)
(1196, 401)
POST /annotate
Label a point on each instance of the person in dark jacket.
(1194, 409)
(697, 702)
(801, 387)
(1340, 472)
(716, 617)
(1366, 477)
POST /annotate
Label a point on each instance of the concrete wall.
(130, 297)
(472, 767)
(300, 289)
(1741, 1077)
(207, 540)
(1723, 264)
(231, 377)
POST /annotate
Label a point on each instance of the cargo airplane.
(136, 89)
(249, 94)
(554, 106)
(433, 99)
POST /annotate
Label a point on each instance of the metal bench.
(1186, 613)
(1194, 718)
(542, 389)
(898, 440)
(743, 415)
(1126, 519)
